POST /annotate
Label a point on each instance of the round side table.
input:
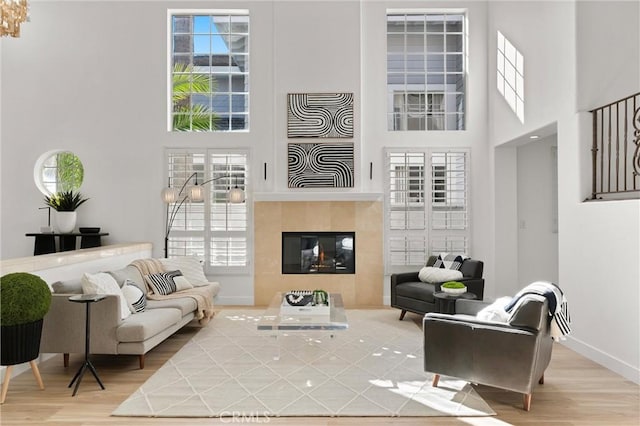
(446, 302)
(87, 299)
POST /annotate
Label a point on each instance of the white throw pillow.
(495, 312)
(182, 283)
(191, 268)
(103, 283)
(432, 275)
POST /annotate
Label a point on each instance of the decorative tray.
(303, 304)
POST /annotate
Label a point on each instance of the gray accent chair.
(511, 355)
(408, 293)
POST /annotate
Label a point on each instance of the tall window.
(425, 71)
(213, 228)
(510, 75)
(427, 205)
(209, 71)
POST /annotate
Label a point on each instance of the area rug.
(374, 368)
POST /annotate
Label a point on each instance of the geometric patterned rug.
(374, 368)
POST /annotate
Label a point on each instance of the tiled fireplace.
(320, 224)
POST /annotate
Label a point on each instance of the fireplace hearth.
(318, 253)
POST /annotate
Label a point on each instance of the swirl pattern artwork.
(320, 165)
(320, 115)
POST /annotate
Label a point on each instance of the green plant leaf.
(65, 201)
(185, 83)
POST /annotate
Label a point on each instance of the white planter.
(66, 221)
(454, 290)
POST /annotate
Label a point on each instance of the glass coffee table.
(280, 323)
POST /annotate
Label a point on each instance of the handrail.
(612, 154)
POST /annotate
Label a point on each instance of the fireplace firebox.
(318, 253)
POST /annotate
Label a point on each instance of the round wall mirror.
(57, 171)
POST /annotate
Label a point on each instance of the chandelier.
(12, 14)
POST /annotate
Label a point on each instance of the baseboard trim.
(614, 364)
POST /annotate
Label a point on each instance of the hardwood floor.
(577, 391)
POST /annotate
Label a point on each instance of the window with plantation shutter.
(427, 205)
(213, 229)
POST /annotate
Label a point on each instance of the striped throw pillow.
(162, 283)
(136, 299)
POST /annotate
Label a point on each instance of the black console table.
(46, 242)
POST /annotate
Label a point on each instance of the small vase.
(66, 221)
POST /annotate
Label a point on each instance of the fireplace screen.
(318, 253)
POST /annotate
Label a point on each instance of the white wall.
(544, 32)
(607, 52)
(506, 221)
(537, 212)
(551, 35)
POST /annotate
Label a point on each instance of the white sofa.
(64, 326)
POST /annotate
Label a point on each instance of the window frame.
(207, 232)
(446, 118)
(169, 72)
(514, 85)
(426, 237)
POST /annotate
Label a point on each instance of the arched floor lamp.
(171, 196)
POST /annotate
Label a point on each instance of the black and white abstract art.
(320, 115)
(320, 165)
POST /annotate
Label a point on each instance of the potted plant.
(24, 301)
(453, 287)
(65, 204)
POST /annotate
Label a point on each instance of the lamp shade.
(169, 195)
(236, 195)
(196, 193)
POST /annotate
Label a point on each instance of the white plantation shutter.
(222, 239)
(427, 205)
(406, 212)
(449, 207)
(228, 221)
(187, 233)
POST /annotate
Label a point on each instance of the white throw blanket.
(558, 308)
(202, 295)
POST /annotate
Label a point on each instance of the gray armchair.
(512, 355)
(408, 293)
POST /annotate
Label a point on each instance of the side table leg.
(81, 373)
(95, 374)
(76, 376)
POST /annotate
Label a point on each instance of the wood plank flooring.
(577, 391)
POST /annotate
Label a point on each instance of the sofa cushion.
(67, 287)
(147, 324)
(190, 266)
(103, 283)
(182, 283)
(129, 273)
(184, 304)
(416, 290)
